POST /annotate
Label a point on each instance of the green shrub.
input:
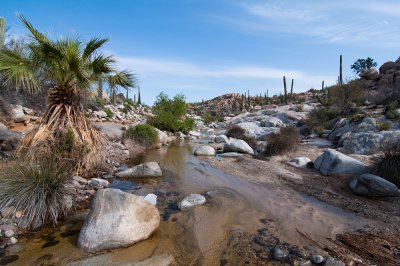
(299, 108)
(211, 117)
(108, 112)
(38, 189)
(143, 133)
(391, 110)
(237, 132)
(287, 139)
(130, 102)
(127, 107)
(100, 103)
(319, 130)
(386, 125)
(170, 114)
(388, 167)
(320, 116)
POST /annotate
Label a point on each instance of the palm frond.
(122, 78)
(38, 36)
(102, 64)
(92, 46)
(17, 70)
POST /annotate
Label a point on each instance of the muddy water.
(203, 235)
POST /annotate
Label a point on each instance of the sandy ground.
(382, 246)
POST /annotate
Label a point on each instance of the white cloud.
(360, 23)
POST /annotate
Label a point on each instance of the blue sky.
(205, 48)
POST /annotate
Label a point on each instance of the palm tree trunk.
(65, 131)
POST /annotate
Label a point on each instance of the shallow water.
(200, 236)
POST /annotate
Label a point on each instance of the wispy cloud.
(361, 23)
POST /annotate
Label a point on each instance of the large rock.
(367, 142)
(254, 130)
(299, 161)
(272, 122)
(205, 150)
(373, 186)
(370, 74)
(150, 169)
(387, 66)
(221, 139)
(8, 139)
(111, 130)
(332, 162)
(162, 137)
(341, 127)
(238, 145)
(100, 114)
(18, 114)
(117, 219)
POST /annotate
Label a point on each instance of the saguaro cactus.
(139, 100)
(340, 74)
(285, 89)
(248, 101)
(323, 87)
(2, 31)
(291, 91)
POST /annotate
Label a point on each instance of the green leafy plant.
(38, 189)
(361, 65)
(386, 125)
(286, 140)
(108, 112)
(388, 167)
(144, 134)
(171, 114)
(211, 117)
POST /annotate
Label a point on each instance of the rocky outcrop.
(254, 130)
(332, 162)
(117, 219)
(367, 142)
(373, 186)
(238, 145)
(150, 169)
(382, 86)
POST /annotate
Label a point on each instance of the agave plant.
(69, 66)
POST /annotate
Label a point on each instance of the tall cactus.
(139, 99)
(291, 91)
(340, 74)
(2, 31)
(323, 85)
(285, 89)
(248, 101)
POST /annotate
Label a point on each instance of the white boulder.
(150, 169)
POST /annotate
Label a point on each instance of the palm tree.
(123, 79)
(70, 67)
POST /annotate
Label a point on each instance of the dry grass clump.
(286, 140)
(38, 189)
(388, 167)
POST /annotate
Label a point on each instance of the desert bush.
(38, 189)
(388, 167)
(108, 112)
(320, 116)
(286, 140)
(212, 117)
(144, 134)
(319, 130)
(170, 114)
(299, 108)
(237, 132)
(391, 110)
(386, 125)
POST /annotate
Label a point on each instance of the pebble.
(98, 183)
(152, 198)
(13, 240)
(9, 233)
(191, 201)
(317, 259)
(280, 254)
(332, 262)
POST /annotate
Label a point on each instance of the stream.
(217, 233)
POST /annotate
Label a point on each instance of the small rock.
(221, 139)
(191, 201)
(152, 198)
(373, 186)
(280, 254)
(80, 179)
(13, 240)
(230, 154)
(9, 233)
(317, 259)
(299, 162)
(332, 262)
(150, 169)
(98, 183)
(205, 151)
